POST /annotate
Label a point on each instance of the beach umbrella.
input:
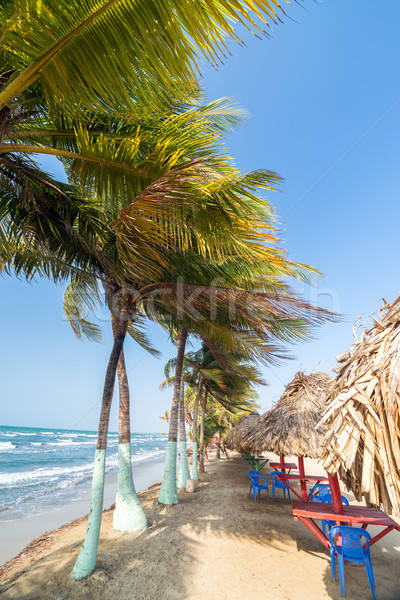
(238, 435)
(363, 444)
(292, 426)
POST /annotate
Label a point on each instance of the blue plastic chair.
(351, 549)
(276, 483)
(326, 497)
(256, 485)
(317, 492)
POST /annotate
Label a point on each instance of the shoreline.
(16, 535)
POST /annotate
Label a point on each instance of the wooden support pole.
(337, 503)
(282, 461)
(303, 484)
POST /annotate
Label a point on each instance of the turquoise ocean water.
(43, 468)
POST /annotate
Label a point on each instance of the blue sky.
(324, 98)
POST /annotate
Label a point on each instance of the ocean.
(45, 468)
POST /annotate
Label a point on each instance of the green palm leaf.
(132, 49)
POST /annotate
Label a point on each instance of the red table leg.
(335, 493)
(292, 489)
(381, 534)
(282, 461)
(303, 484)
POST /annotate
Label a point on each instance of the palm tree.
(226, 381)
(202, 224)
(155, 293)
(183, 470)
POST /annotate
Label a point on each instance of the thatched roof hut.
(290, 427)
(238, 435)
(363, 443)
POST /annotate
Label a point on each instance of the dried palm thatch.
(238, 435)
(290, 427)
(363, 443)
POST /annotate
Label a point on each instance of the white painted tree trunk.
(86, 560)
(183, 469)
(168, 491)
(128, 514)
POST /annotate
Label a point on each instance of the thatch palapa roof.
(363, 414)
(290, 427)
(238, 435)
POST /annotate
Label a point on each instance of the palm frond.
(133, 51)
(80, 298)
(136, 330)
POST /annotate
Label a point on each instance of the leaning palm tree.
(183, 471)
(226, 391)
(128, 305)
(274, 316)
(152, 296)
(40, 40)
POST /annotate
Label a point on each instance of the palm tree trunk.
(86, 560)
(168, 491)
(190, 441)
(218, 452)
(183, 471)
(195, 473)
(128, 514)
(203, 414)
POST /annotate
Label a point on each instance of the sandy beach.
(216, 544)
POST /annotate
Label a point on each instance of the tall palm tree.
(227, 381)
(110, 158)
(183, 471)
(170, 367)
